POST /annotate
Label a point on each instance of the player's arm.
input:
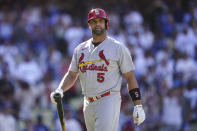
(133, 87)
(66, 83)
(134, 91)
(68, 80)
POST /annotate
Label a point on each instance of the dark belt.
(91, 99)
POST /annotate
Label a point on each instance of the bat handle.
(58, 98)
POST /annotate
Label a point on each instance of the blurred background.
(37, 39)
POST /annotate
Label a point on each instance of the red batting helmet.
(98, 13)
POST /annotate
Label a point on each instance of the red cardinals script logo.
(83, 66)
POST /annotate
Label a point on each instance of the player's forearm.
(68, 80)
(131, 82)
(132, 85)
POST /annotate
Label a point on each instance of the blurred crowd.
(37, 40)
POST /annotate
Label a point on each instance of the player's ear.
(89, 25)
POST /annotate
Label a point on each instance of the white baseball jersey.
(100, 68)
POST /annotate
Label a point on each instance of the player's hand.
(138, 114)
(59, 91)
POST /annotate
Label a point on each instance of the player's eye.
(101, 20)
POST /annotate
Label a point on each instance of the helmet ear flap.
(106, 24)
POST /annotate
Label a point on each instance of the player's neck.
(97, 39)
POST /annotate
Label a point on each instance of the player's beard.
(98, 32)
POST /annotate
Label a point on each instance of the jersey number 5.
(100, 77)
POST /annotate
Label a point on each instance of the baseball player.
(100, 63)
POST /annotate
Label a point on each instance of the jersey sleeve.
(74, 65)
(125, 61)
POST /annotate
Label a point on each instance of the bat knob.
(57, 96)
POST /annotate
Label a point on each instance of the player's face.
(97, 26)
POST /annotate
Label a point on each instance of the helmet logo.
(96, 12)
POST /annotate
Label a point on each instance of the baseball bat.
(60, 111)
